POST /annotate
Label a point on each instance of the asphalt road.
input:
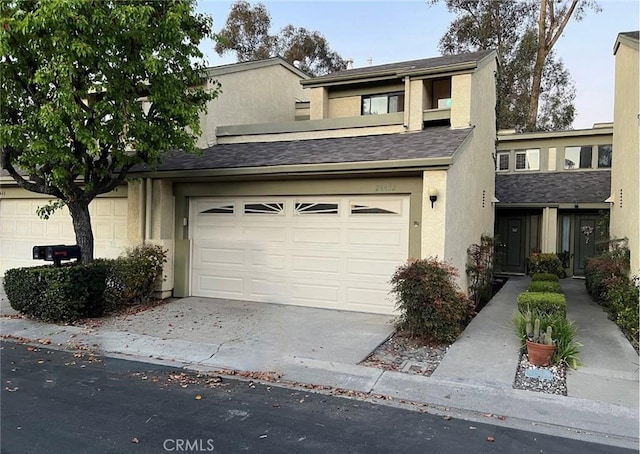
(60, 402)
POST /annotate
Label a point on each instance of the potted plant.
(540, 346)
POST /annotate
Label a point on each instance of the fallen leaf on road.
(30, 349)
(198, 397)
(491, 439)
(44, 341)
(41, 361)
(447, 417)
(135, 440)
(11, 390)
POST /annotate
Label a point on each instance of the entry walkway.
(488, 350)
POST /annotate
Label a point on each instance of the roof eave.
(389, 74)
(300, 169)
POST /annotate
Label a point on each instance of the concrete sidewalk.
(318, 347)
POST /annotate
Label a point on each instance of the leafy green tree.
(246, 32)
(534, 93)
(90, 89)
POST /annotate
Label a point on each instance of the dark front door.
(584, 241)
(511, 237)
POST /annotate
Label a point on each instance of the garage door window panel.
(306, 208)
(227, 208)
(264, 208)
(387, 207)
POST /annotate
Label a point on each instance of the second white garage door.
(329, 252)
(21, 229)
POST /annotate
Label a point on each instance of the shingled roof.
(434, 142)
(633, 35)
(554, 187)
(402, 67)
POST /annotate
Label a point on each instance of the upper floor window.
(528, 159)
(577, 157)
(383, 103)
(604, 156)
(502, 162)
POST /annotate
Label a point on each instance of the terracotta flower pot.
(540, 354)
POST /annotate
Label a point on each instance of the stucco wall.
(461, 99)
(344, 107)
(470, 184)
(258, 95)
(433, 219)
(625, 209)
(151, 220)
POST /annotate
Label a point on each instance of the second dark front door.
(511, 233)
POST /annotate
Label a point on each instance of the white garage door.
(330, 252)
(21, 229)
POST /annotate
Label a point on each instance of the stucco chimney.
(370, 61)
(350, 63)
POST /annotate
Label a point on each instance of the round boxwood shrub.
(431, 303)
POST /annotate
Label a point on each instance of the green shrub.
(624, 308)
(431, 304)
(545, 277)
(134, 275)
(543, 303)
(54, 294)
(481, 262)
(544, 286)
(614, 262)
(564, 335)
(545, 263)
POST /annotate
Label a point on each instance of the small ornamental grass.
(431, 303)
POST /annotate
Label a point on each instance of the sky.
(389, 32)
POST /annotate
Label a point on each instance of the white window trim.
(526, 153)
(503, 153)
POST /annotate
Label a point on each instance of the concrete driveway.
(257, 336)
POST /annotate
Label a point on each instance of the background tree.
(73, 78)
(246, 32)
(553, 17)
(512, 29)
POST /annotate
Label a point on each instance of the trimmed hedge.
(58, 294)
(543, 303)
(544, 286)
(74, 291)
(545, 263)
(545, 277)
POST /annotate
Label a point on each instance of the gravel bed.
(403, 353)
(556, 385)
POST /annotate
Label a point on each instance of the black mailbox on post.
(56, 253)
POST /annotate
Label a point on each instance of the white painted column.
(549, 240)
